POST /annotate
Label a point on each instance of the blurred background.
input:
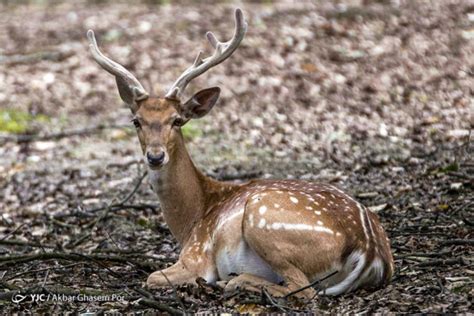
(311, 79)
(374, 96)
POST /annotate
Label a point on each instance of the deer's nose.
(155, 160)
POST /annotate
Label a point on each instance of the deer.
(262, 234)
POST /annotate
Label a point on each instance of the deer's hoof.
(222, 284)
(155, 280)
(231, 287)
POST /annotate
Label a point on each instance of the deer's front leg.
(174, 275)
(255, 283)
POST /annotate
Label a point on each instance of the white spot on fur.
(293, 199)
(290, 226)
(319, 223)
(262, 209)
(369, 220)
(277, 226)
(317, 212)
(262, 223)
(323, 230)
(362, 220)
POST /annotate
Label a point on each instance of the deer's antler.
(129, 87)
(223, 50)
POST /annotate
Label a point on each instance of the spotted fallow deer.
(277, 234)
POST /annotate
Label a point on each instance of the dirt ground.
(375, 97)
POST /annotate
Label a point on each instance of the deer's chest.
(232, 261)
(232, 254)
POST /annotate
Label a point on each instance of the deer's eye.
(136, 123)
(178, 122)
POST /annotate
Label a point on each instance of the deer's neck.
(185, 193)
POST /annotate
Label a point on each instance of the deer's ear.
(201, 103)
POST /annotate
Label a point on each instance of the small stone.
(455, 186)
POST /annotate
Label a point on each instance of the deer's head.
(158, 119)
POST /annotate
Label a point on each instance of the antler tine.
(223, 50)
(212, 39)
(116, 69)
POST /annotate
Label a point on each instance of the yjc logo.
(17, 298)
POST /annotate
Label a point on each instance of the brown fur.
(306, 230)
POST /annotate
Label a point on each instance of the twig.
(162, 307)
(272, 301)
(465, 219)
(114, 207)
(79, 240)
(14, 242)
(441, 262)
(113, 241)
(45, 278)
(135, 189)
(13, 232)
(149, 300)
(203, 283)
(461, 175)
(175, 293)
(440, 284)
(35, 57)
(56, 136)
(124, 164)
(107, 209)
(399, 234)
(457, 242)
(310, 285)
(124, 200)
(238, 176)
(422, 254)
(60, 223)
(115, 274)
(18, 259)
(6, 285)
(44, 269)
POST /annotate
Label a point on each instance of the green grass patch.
(191, 130)
(18, 122)
(453, 167)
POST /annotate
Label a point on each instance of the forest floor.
(374, 98)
